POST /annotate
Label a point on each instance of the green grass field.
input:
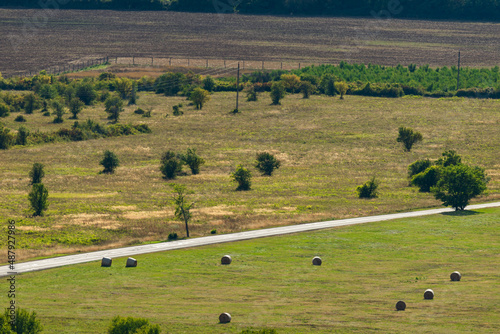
(327, 148)
(273, 284)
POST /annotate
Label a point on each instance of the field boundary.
(217, 239)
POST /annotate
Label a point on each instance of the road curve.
(216, 239)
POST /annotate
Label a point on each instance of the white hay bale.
(317, 261)
(225, 318)
(226, 259)
(429, 294)
(455, 276)
(400, 305)
(106, 262)
(131, 262)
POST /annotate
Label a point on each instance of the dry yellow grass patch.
(148, 214)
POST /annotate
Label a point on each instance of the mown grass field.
(327, 148)
(32, 40)
(273, 284)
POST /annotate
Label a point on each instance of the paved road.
(216, 239)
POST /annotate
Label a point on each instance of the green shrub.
(148, 113)
(30, 103)
(85, 92)
(109, 162)
(75, 107)
(170, 83)
(173, 236)
(177, 110)
(6, 137)
(26, 322)
(427, 179)
(47, 113)
(214, 231)
(105, 76)
(4, 110)
(260, 331)
(58, 110)
(252, 94)
(131, 325)
(139, 111)
(20, 118)
(449, 158)
(36, 173)
(307, 88)
(418, 167)
(209, 84)
(113, 106)
(38, 199)
(171, 165)
(341, 87)
(408, 137)
(277, 92)
(193, 160)
(22, 135)
(47, 91)
(267, 163)
(243, 177)
(199, 97)
(368, 189)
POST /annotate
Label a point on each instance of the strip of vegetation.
(430, 9)
(78, 132)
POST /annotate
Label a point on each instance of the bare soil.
(37, 39)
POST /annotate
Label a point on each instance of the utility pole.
(458, 75)
(237, 88)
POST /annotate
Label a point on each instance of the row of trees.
(438, 9)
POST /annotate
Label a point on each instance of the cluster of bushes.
(448, 179)
(171, 163)
(78, 132)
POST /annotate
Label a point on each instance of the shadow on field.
(461, 213)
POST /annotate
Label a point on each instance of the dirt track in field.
(36, 39)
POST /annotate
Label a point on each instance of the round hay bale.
(226, 259)
(429, 294)
(131, 262)
(225, 318)
(401, 305)
(106, 262)
(317, 261)
(455, 276)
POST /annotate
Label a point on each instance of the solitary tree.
(30, 103)
(193, 160)
(199, 97)
(109, 162)
(341, 87)
(171, 165)
(242, 176)
(58, 110)
(182, 209)
(267, 163)
(306, 88)
(114, 106)
(408, 137)
(277, 92)
(38, 199)
(75, 107)
(36, 173)
(458, 184)
(22, 135)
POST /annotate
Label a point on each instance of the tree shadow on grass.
(462, 213)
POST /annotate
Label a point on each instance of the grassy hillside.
(327, 148)
(272, 283)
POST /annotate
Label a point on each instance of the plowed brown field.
(35, 39)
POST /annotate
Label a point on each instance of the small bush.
(418, 167)
(209, 84)
(47, 113)
(139, 111)
(148, 113)
(109, 162)
(26, 322)
(341, 87)
(58, 110)
(113, 106)
(214, 231)
(427, 179)
(193, 160)
(307, 88)
(199, 97)
(173, 236)
(252, 94)
(449, 158)
(20, 119)
(6, 137)
(243, 177)
(4, 110)
(131, 325)
(368, 190)
(277, 92)
(267, 163)
(177, 110)
(408, 137)
(75, 107)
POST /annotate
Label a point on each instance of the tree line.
(425, 9)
